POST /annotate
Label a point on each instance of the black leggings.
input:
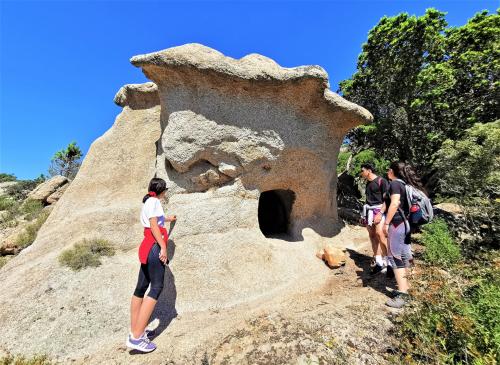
(152, 272)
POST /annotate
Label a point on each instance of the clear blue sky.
(62, 62)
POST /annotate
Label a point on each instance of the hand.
(377, 218)
(163, 255)
(386, 230)
(172, 218)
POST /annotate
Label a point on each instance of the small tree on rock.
(66, 162)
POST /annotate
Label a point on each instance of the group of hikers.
(393, 209)
(390, 208)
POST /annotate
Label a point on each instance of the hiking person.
(153, 258)
(397, 227)
(376, 189)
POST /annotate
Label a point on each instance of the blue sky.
(62, 62)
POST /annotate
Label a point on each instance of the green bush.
(86, 253)
(21, 190)
(21, 360)
(7, 177)
(6, 202)
(28, 235)
(3, 261)
(440, 247)
(368, 156)
(342, 161)
(32, 208)
(451, 320)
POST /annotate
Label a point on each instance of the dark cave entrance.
(275, 207)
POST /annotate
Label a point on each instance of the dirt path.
(343, 321)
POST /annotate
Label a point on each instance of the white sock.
(378, 260)
(387, 261)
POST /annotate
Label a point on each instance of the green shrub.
(21, 360)
(32, 208)
(28, 235)
(86, 253)
(440, 247)
(368, 156)
(21, 190)
(451, 320)
(6, 202)
(342, 161)
(3, 261)
(7, 177)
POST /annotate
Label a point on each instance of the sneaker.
(399, 301)
(143, 344)
(390, 272)
(376, 269)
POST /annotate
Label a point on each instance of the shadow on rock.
(379, 282)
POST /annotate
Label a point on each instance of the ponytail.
(406, 173)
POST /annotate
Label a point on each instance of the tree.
(425, 83)
(66, 162)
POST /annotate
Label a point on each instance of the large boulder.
(51, 190)
(249, 151)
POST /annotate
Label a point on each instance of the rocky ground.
(342, 321)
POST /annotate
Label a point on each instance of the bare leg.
(381, 238)
(401, 280)
(147, 307)
(374, 240)
(135, 307)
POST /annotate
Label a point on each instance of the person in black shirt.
(376, 189)
(397, 227)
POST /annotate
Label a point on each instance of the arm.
(156, 232)
(393, 208)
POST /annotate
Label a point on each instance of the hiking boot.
(390, 272)
(376, 269)
(399, 301)
(143, 344)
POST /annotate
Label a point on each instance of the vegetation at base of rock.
(3, 261)
(28, 235)
(440, 246)
(31, 208)
(6, 202)
(22, 360)
(86, 253)
(20, 190)
(453, 318)
(66, 162)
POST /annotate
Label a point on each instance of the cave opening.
(274, 211)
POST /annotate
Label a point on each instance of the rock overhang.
(304, 88)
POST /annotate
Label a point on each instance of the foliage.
(471, 166)
(31, 208)
(28, 235)
(21, 190)
(365, 156)
(7, 177)
(3, 261)
(342, 160)
(86, 253)
(452, 320)
(440, 247)
(66, 162)
(21, 360)
(425, 83)
(470, 172)
(6, 202)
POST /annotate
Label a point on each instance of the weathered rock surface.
(230, 137)
(51, 190)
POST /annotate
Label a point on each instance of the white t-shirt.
(152, 208)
